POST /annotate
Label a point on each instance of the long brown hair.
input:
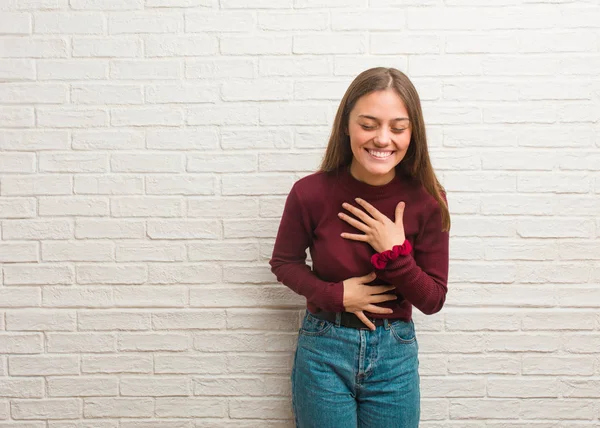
(416, 162)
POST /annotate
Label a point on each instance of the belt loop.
(386, 324)
(338, 319)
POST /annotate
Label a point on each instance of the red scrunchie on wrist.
(380, 260)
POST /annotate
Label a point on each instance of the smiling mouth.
(378, 154)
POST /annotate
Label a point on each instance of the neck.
(374, 180)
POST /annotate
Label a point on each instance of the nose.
(383, 137)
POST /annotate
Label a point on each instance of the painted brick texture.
(147, 147)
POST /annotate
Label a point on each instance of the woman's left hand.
(379, 231)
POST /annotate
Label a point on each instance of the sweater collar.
(368, 191)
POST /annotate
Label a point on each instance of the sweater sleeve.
(288, 262)
(422, 277)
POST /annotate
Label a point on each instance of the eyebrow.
(374, 118)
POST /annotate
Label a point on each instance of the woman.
(376, 222)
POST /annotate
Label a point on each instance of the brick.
(183, 273)
(14, 297)
(19, 252)
(352, 65)
(145, 22)
(245, 297)
(80, 342)
(73, 206)
(191, 407)
(257, 45)
(221, 163)
(113, 184)
(222, 115)
(189, 319)
(40, 184)
(152, 342)
(106, 94)
(17, 162)
(113, 320)
(33, 93)
(190, 364)
(106, 5)
(73, 162)
(283, 21)
(118, 407)
(157, 386)
(147, 162)
(21, 343)
(225, 207)
(46, 409)
(256, 319)
(16, 117)
(155, 296)
(25, 47)
(146, 116)
(321, 90)
(37, 229)
(145, 69)
(445, 65)
(219, 21)
(279, 114)
(537, 409)
(72, 117)
(183, 229)
(473, 408)
(38, 320)
(68, 23)
(492, 364)
(189, 184)
(82, 386)
(293, 66)
(256, 229)
(217, 67)
(77, 251)
(107, 364)
(103, 47)
(75, 297)
(200, 138)
(447, 387)
(34, 365)
(330, 44)
(275, 408)
(34, 274)
(22, 388)
(109, 229)
(150, 206)
(107, 140)
(79, 69)
(483, 43)
(111, 274)
(222, 251)
(15, 23)
(522, 388)
(150, 252)
(293, 162)
(186, 46)
(255, 138)
(256, 90)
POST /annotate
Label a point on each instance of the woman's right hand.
(359, 297)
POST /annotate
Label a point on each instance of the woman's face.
(379, 131)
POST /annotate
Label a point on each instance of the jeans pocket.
(403, 332)
(313, 326)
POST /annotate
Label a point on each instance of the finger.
(379, 289)
(355, 237)
(375, 213)
(379, 310)
(378, 298)
(360, 214)
(353, 222)
(361, 316)
(399, 213)
(368, 277)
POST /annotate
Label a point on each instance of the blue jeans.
(348, 378)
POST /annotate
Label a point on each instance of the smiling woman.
(376, 222)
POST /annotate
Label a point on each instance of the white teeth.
(381, 155)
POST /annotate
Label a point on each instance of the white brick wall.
(147, 148)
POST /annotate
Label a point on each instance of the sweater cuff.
(333, 297)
